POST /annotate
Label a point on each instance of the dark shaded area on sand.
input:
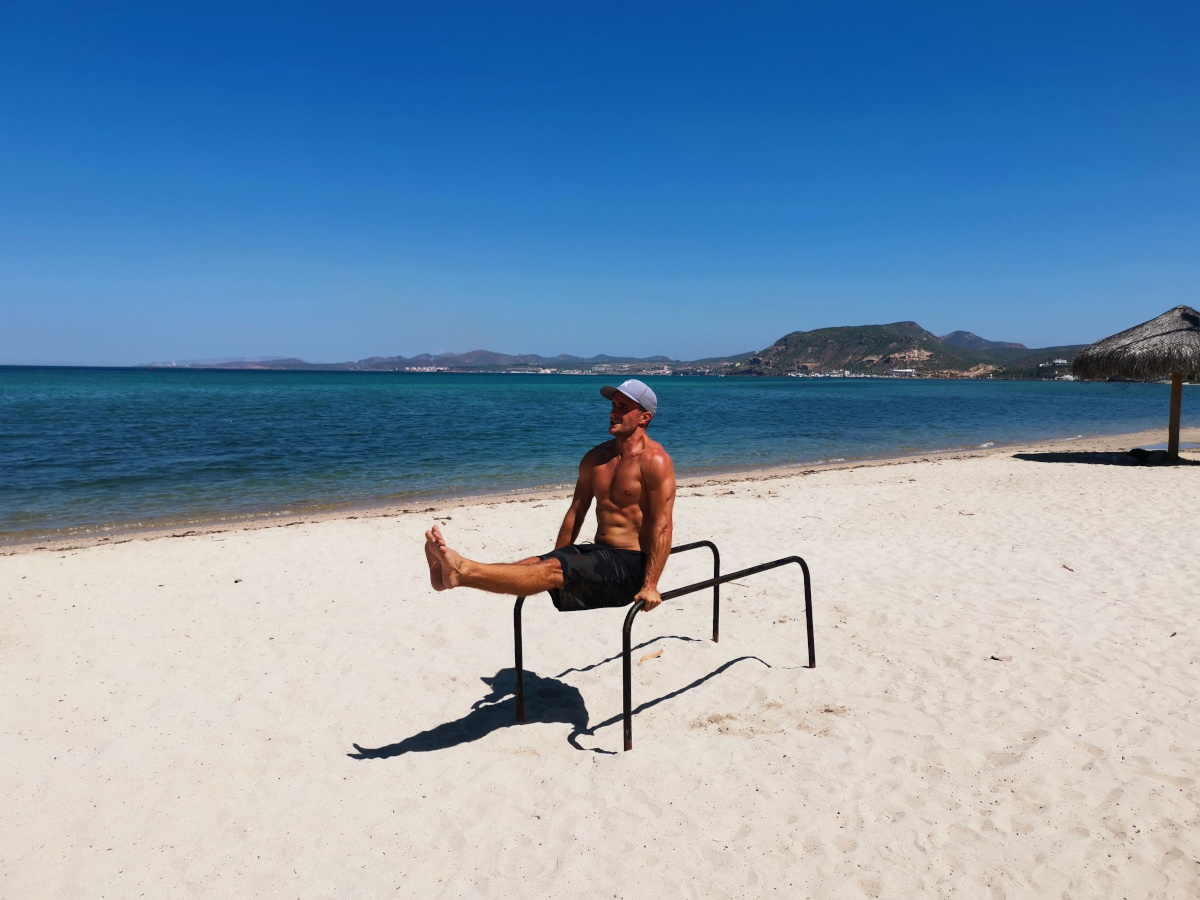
(1136, 457)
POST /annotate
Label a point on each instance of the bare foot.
(450, 561)
(435, 564)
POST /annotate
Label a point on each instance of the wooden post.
(1176, 404)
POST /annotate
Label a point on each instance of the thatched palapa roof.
(1150, 351)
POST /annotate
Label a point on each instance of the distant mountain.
(274, 362)
(969, 341)
(222, 361)
(719, 360)
(482, 359)
(882, 349)
(489, 358)
(870, 349)
(866, 349)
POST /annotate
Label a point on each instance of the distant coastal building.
(904, 373)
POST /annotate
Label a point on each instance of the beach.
(1004, 702)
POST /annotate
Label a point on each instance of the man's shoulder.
(655, 450)
(656, 457)
(600, 452)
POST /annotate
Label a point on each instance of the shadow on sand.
(546, 700)
(1095, 459)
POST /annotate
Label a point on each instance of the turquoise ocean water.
(87, 449)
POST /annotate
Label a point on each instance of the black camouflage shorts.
(596, 576)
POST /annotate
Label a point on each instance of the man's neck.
(633, 443)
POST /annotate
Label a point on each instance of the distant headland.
(900, 350)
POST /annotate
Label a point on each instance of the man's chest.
(618, 481)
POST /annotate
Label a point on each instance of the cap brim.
(608, 391)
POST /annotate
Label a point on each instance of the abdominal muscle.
(617, 526)
(619, 521)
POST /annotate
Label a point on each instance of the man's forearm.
(565, 533)
(569, 530)
(656, 559)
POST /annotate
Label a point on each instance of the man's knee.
(551, 567)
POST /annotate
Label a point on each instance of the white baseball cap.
(636, 391)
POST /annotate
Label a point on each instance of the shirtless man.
(632, 480)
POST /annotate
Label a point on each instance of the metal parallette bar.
(754, 570)
(520, 669)
(691, 589)
(520, 662)
(627, 632)
(627, 667)
(716, 574)
(1173, 423)
(695, 545)
(808, 613)
(716, 595)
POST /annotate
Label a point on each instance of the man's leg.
(529, 576)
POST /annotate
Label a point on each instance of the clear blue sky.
(338, 181)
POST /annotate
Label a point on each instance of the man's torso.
(622, 498)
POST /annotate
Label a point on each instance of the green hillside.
(1028, 364)
(882, 349)
(996, 356)
(867, 349)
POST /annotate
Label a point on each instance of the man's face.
(625, 416)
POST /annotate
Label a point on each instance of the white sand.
(169, 731)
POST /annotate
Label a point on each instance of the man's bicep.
(661, 481)
(583, 484)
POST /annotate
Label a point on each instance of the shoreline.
(115, 534)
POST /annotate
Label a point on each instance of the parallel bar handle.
(695, 545)
(722, 579)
